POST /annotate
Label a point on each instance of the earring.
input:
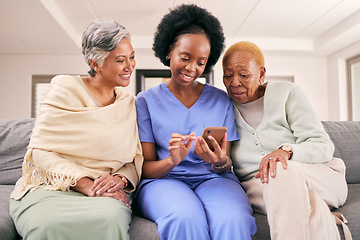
(167, 57)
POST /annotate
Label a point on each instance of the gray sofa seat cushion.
(263, 229)
(14, 138)
(346, 135)
(351, 210)
(7, 227)
(142, 228)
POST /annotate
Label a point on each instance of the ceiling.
(318, 27)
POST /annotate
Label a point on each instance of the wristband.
(224, 165)
(287, 149)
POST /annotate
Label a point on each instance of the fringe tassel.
(38, 177)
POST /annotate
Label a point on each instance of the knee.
(289, 174)
(232, 212)
(116, 215)
(238, 219)
(189, 215)
(285, 181)
(189, 221)
(243, 215)
(243, 223)
(43, 226)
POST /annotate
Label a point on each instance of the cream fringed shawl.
(73, 138)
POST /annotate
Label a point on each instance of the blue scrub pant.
(215, 209)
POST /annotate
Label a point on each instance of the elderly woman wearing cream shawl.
(84, 155)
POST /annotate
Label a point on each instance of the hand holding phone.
(217, 133)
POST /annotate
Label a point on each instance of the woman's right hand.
(118, 195)
(109, 186)
(180, 146)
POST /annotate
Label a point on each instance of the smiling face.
(188, 58)
(119, 65)
(242, 76)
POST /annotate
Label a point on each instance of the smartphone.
(216, 132)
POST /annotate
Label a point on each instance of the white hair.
(101, 37)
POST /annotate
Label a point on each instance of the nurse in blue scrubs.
(187, 189)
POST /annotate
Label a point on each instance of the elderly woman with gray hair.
(84, 156)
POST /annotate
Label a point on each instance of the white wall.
(309, 73)
(16, 74)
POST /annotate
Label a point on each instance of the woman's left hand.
(107, 183)
(217, 157)
(267, 166)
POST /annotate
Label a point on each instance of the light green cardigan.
(288, 119)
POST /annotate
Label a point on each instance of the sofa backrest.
(14, 138)
(346, 137)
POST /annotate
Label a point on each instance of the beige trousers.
(298, 199)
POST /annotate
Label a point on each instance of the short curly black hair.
(185, 19)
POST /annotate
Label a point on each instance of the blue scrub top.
(160, 114)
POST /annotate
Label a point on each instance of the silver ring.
(113, 182)
(271, 158)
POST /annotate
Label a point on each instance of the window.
(353, 66)
(39, 87)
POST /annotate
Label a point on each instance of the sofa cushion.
(346, 137)
(7, 227)
(263, 229)
(142, 229)
(14, 138)
(351, 210)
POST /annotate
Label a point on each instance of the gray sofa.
(14, 137)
